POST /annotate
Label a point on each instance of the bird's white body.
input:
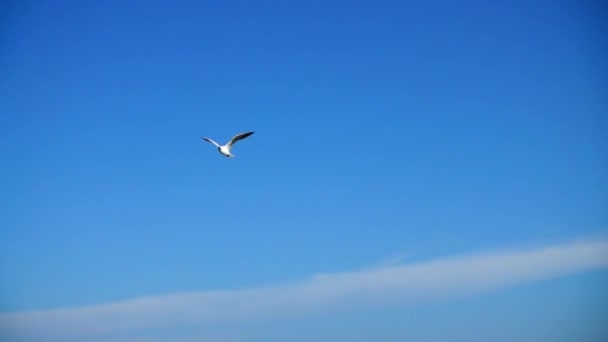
(225, 150)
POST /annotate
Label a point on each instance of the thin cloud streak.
(443, 278)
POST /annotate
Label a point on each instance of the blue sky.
(388, 133)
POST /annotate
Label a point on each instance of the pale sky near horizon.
(392, 141)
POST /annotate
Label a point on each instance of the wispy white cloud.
(454, 276)
(217, 337)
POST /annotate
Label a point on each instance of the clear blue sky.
(386, 131)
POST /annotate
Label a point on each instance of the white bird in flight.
(225, 149)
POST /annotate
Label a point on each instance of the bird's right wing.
(211, 141)
(238, 137)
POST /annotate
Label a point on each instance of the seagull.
(225, 149)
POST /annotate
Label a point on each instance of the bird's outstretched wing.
(211, 141)
(238, 137)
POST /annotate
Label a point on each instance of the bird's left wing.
(211, 141)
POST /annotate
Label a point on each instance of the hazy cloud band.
(451, 276)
